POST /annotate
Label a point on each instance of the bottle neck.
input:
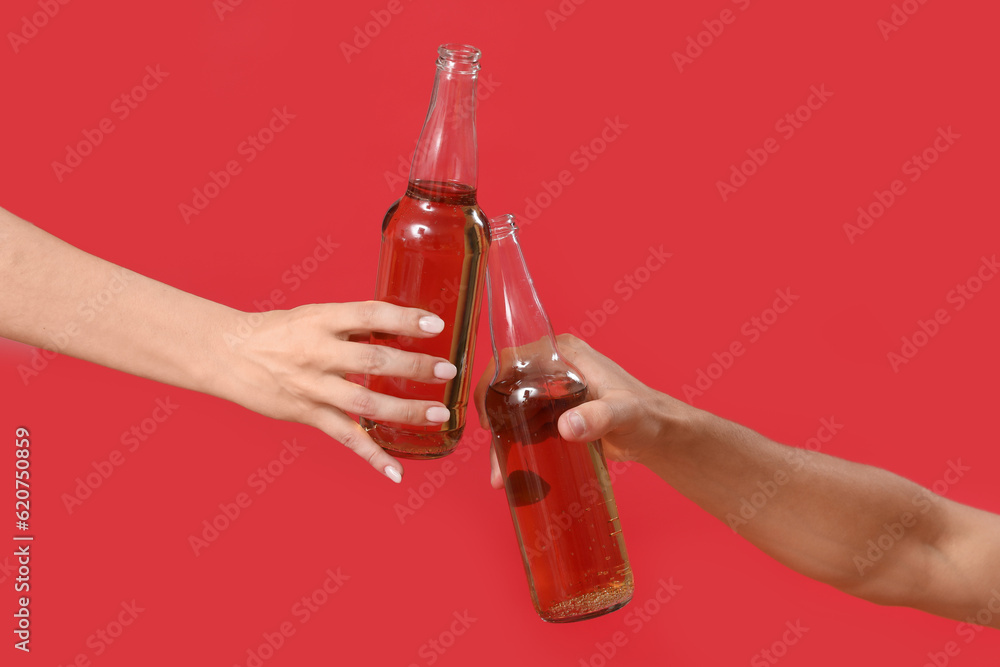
(446, 151)
(522, 335)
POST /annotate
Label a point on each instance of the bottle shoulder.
(430, 223)
(552, 382)
(390, 213)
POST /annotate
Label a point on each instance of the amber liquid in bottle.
(434, 242)
(433, 256)
(560, 497)
(558, 491)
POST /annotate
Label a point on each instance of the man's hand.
(627, 415)
(822, 518)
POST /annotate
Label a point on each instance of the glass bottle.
(435, 241)
(559, 492)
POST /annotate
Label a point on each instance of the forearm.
(862, 529)
(58, 297)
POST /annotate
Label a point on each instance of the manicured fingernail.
(438, 415)
(576, 424)
(431, 324)
(393, 474)
(444, 370)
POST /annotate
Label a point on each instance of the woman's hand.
(287, 364)
(293, 364)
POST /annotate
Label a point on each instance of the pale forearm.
(286, 364)
(58, 297)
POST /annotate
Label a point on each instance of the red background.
(656, 184)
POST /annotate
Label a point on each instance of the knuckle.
(373, 358)
(368, 313)
(356, 440)
(414, 366)
(351, 439)
(307, 313)
(363, 403)
(413, 414)
(312, 415)
(409, 319)
(612, 415)
(302, 392)
(572, 342)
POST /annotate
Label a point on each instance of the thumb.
(590, 421)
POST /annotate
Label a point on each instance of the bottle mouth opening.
(462, 53)
(461, 58)
(502, 226)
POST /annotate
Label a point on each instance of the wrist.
(675, 428)
(221, 370)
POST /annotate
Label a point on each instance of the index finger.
(370, 316)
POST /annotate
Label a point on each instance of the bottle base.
(407, 444)
(589, 605)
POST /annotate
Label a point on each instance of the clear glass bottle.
(559, 492)
(435, 241)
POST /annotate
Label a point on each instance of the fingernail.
(431, 324)
(393, 474)
(437, 414)
(576, 424)
(444, 370)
